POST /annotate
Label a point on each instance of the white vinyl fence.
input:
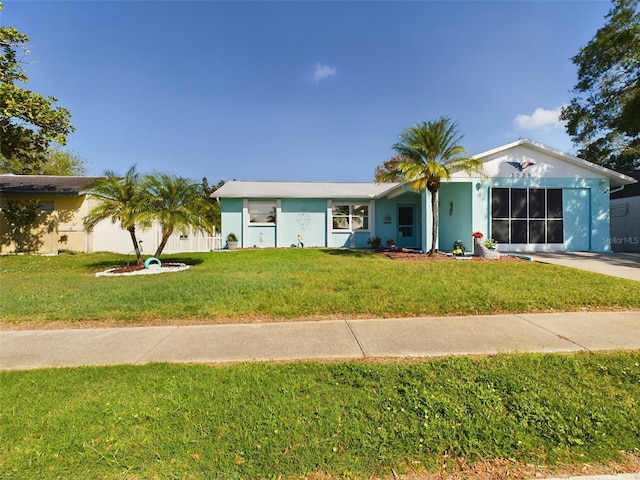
(179, 243)
(109, 237)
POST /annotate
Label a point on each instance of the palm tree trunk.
(166, 233)
(434, 222)
(136, 247)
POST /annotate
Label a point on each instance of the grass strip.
(296, 283)
(346, 420)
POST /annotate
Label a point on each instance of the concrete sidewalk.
(332, 339)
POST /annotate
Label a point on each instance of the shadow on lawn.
(346, 252)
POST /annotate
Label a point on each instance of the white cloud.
(540, 119)
(323, 71)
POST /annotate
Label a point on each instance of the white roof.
(244, 189)
(614, 177)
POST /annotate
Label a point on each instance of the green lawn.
(310, 420)
(294, 284)
(348, 420)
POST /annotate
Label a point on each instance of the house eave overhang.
(59, 186)
(398, 190)
(48, 193)
(306, 190)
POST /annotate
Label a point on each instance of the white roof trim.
(618, 178)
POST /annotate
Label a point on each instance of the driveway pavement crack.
(355, 337)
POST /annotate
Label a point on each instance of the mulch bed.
(136, 268)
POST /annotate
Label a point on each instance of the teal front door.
(406, 226)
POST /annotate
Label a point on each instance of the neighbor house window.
(262, 212)
(46, 206)
(350, 216)
(527, 215)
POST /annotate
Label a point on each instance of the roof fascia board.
(397, 191)
(39, 192)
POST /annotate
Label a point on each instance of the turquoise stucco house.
(531, 198)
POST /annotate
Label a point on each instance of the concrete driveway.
(623, 265)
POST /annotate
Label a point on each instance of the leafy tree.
(29, 122)
(177, 203)
(21, 218)
(63, 163)
(123, 200)
(429, 153)
(57, 162)
(388, 171)
(604, 116)
(216, 215)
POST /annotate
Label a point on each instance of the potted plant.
(374, 242)
(490, 243)
(232, 241)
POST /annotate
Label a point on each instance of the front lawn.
(355, 420)
(295, 284)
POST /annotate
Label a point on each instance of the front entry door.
(406, 226)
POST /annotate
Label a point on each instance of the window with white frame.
(350, 216)
(262, 211)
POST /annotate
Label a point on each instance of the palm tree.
(123, 200)
(429, 153)
(177, 203)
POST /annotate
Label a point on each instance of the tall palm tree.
(123, 200)
(429, 153)
(177, 203)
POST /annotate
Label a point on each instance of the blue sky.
(287, 90)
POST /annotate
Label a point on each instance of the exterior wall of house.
(391, 220)
(304, 216)
(585, 213)
(585, 208)
(481, 204)
(625, 224)
(313, 220)
(585, 200)
(455, 215)
(625, 216)
(231, 217)
(71, 233)
(58, 227)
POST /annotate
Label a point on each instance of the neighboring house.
(625, 216)
(60, 227)
(63, 206)
(533, 198)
